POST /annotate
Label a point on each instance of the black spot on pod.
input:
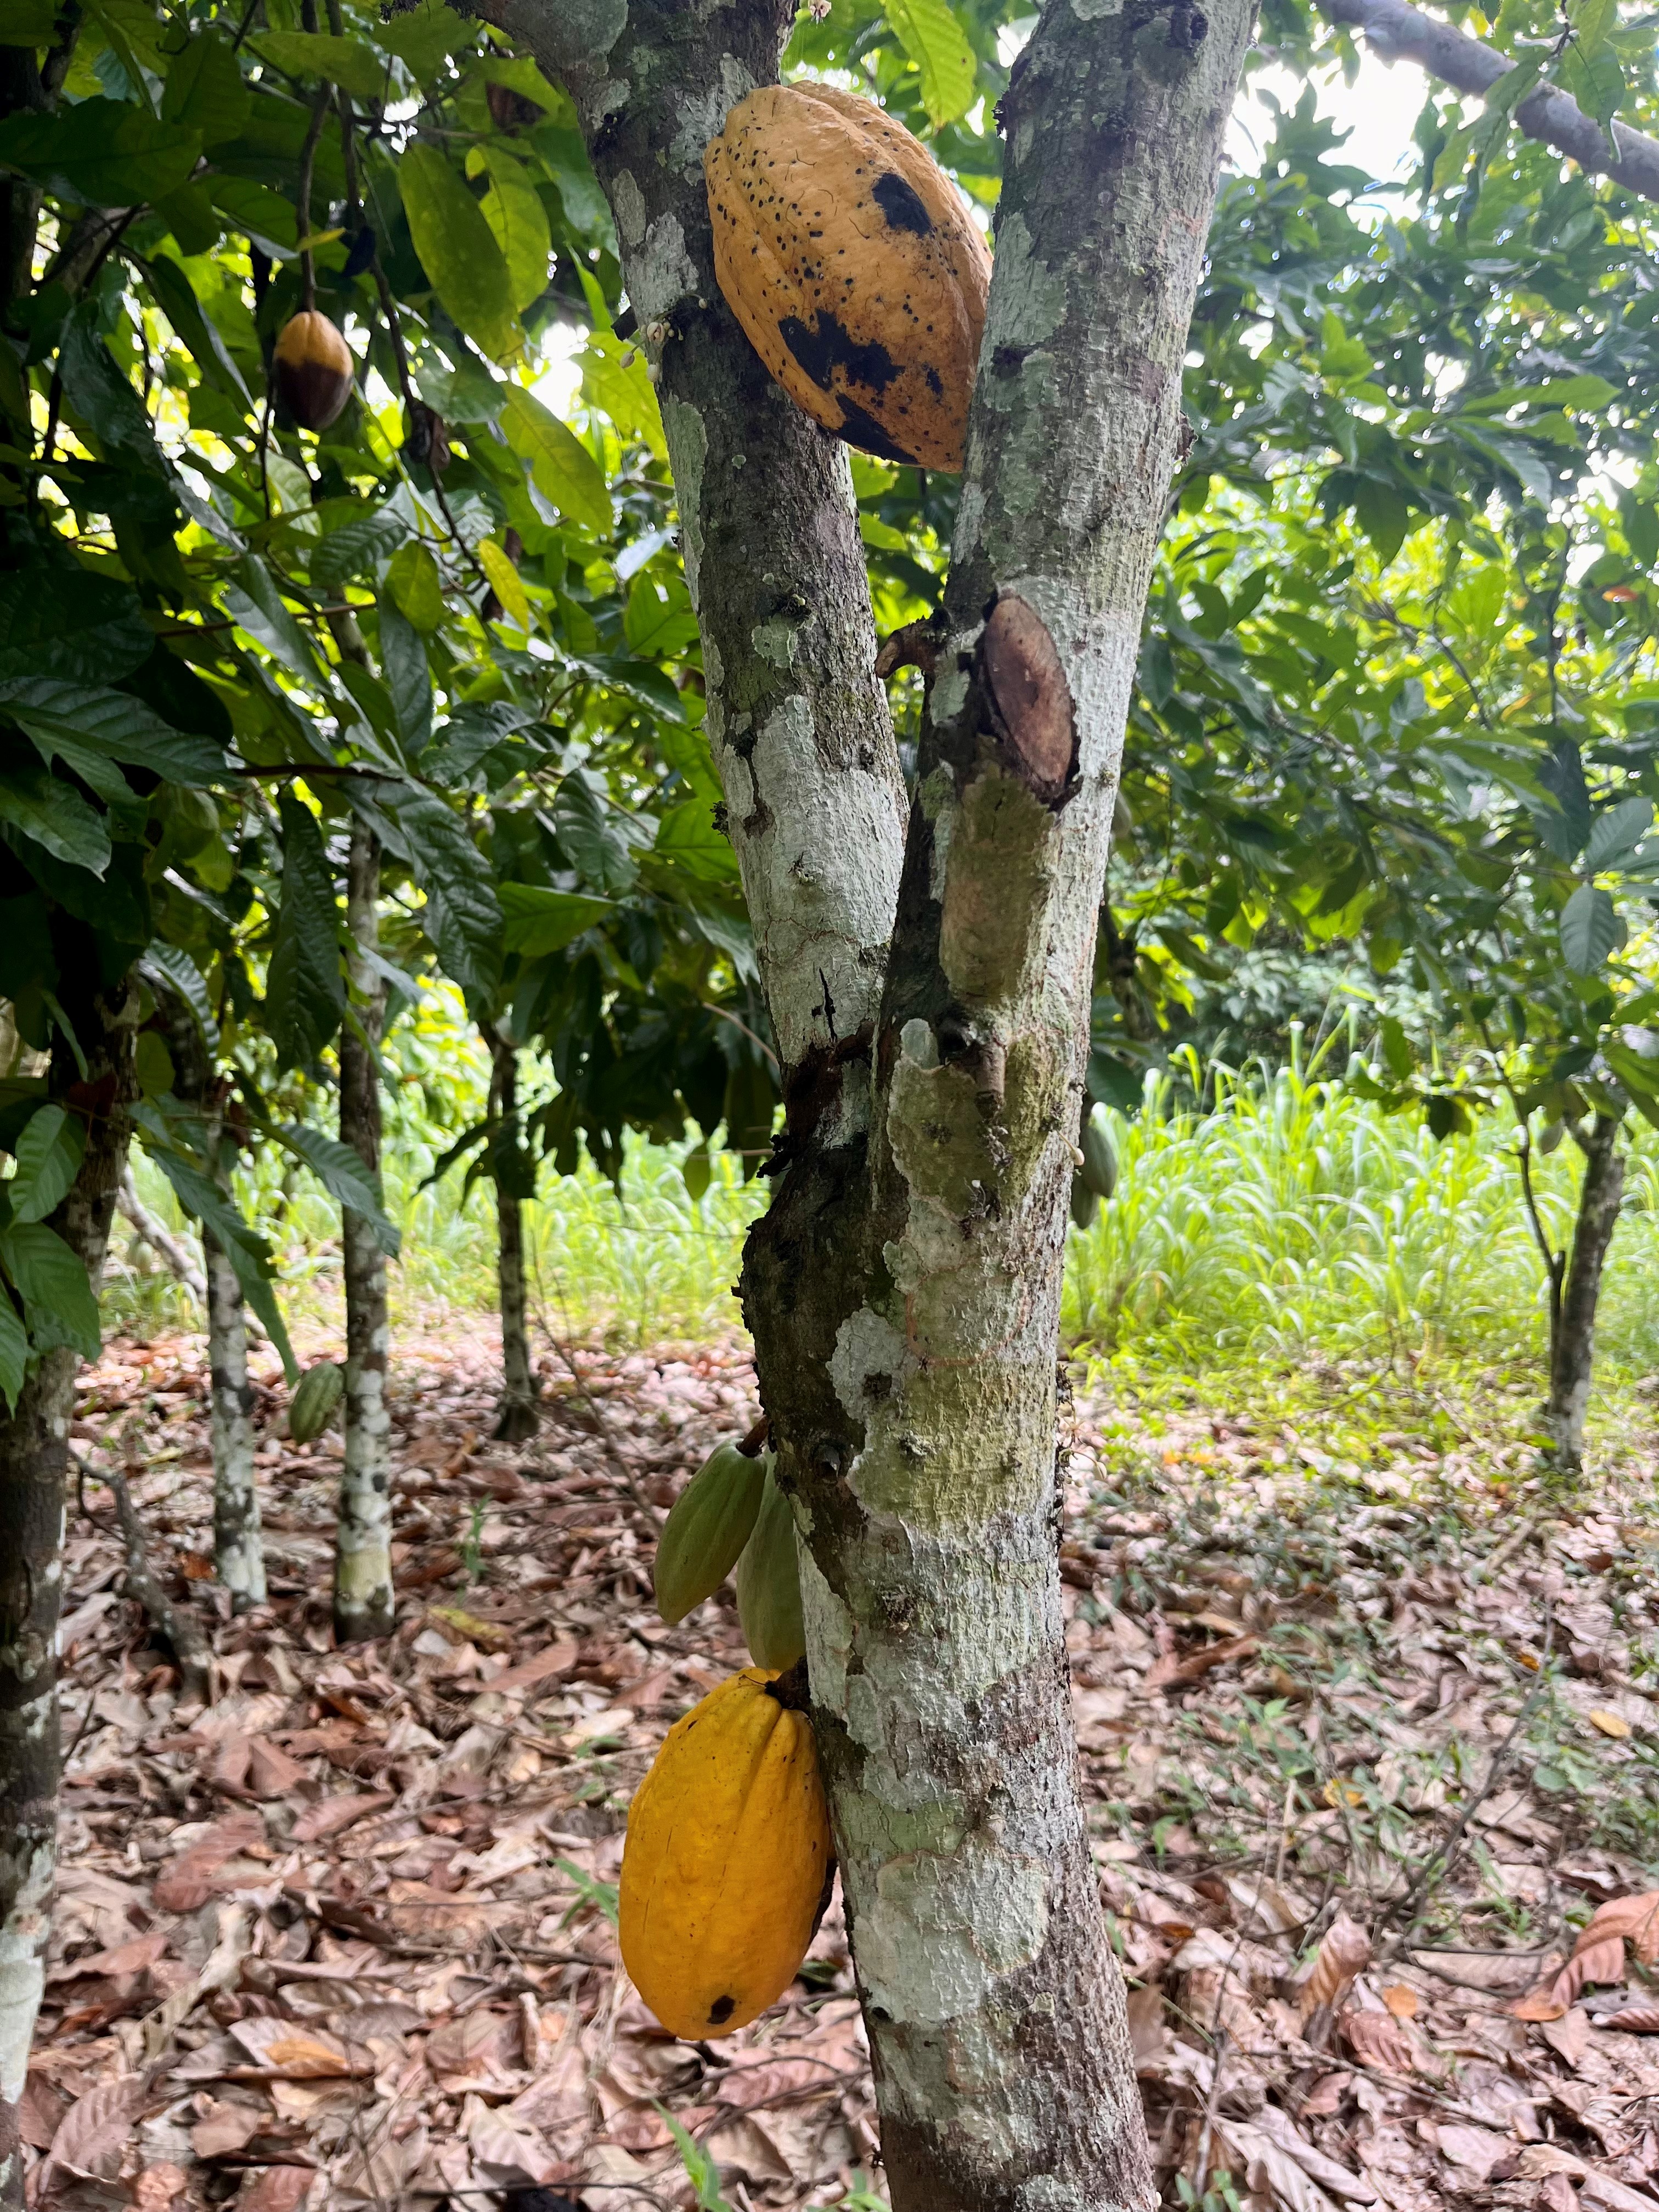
(826, 347)
(721, 2010)
(902, 204)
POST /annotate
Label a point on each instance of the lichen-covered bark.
(903, 1289)
(796, 723)
(1572, 1348)
(33, 1470)
(924, 1476)
(363, 1597)
(517, 1416)
(237, 1546)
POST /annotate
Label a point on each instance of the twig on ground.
(177, 1623)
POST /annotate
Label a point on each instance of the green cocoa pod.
(316, 1395)
(768, 1584)
(1084, 1203)
(1099, 1169)
(707, 1531)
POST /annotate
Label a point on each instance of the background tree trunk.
(34, 1468)
(519, 1417)
(1573, 1344)
(363, 1597)
(238, 1548)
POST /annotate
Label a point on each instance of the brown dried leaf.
(558, 1658)
(1344, 1951)
(1568, 2037)
(96, 2127)
(1376, 2038)
(1147, 2033)
(1609, 1723)
(1473, 2150)
(291, 2053)
(40, 2111)
(271, 1772)
(1635, 2020)
(227, 2127)
(1401, 1998)
(155, 2188)
(131, 1958)
(1602, 1961)
(1634, 1919)
(276, 2189)
(1556, 2194)
(332, 1814)
(188, 1883)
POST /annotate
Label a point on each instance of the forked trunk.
(34, 1471)
(517, 1418)
(363, 1597)
(903, 1290)
(1572, 1335)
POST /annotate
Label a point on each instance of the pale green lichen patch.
(940, 1142)
(688, 450)
(997, 882)
(970, 1437)
(774, 641)
(944, 1927)
(1036, 1081)
(1028, 301)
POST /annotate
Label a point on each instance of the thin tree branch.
(177, 1623)
(1395, 29)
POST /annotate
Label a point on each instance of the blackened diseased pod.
(314, 369)
(853, 266)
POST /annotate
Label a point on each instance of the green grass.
(1291, 1236)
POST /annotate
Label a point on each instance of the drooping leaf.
(518, 221)
(1589, 929)
(243, 1247)
(57, 1301)
(457, 251)
(355, 67)
(505, 582)
(357, 547)
(343, 1175)
(540, 922)
(407, 678)
(100, 152)
(71, 624)
(203, 91)
(103, 399)
(930, 34)
(53, 813)
(49, 1152)
(305, 996)
(115, 724)
(564, 470)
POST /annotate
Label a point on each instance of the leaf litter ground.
(1372, 1753)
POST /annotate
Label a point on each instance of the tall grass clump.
(1290, 1220)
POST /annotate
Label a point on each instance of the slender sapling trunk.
(1572, 1317)
(517, 1418)
(363, 1597)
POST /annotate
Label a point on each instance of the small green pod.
(1099, 1169)
(1084, 1203)
(707, 1529)
(316, 1395)
(768, 1584)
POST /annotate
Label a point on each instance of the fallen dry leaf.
(1636, 1919)
(156, 2186)
(96, 2127)
(1568, 2037)
(1344, 1951)
(1610, 1723)
(276, 2189)
(1556, 2194)
(1601, 1961)
(1473, 2151)
(190, 1880)
(295, 2054)
(333, 1814)
(1376, 2038)
(1400, 1999)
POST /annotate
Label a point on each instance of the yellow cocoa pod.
(853, 266)
(314, 368)
(707, 1529)
(726, 1863)
(768, 1584)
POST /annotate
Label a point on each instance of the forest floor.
(1367, 1741)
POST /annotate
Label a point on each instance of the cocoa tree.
(928, 984)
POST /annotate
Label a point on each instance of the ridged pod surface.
(316, 1395)
(725, 1865)
(707, 1529)
(848, 258)
(768, 1584)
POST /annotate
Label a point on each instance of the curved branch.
(1555, 118)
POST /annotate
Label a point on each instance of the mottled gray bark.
(239, 1551)
(904, 1290)
(1572, 1317)
(796, 723)
(34, 1468)
(363, 1597)
(517, 1416)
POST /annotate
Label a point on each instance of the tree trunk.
(1572, 1340)
(363, 1598)
(903, 1290)
(239, 1551)
(518, 1418)
(237, 1546)
(34, 1468)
